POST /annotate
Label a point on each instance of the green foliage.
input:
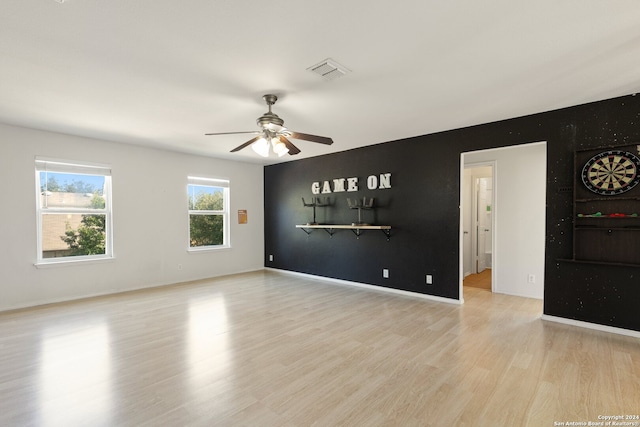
(89, 238)
(206, 229)
(207, 201)
(97, 201)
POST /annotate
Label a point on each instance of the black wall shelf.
(613, 264)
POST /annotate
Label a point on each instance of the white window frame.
(210, 182)
(73, 167)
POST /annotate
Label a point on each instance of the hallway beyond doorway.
(481, 280)
(519, 195)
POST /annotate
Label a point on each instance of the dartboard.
(611, 172)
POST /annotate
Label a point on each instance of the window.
(208, 213)
(74, 211)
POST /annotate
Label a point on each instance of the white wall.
(149, 217)
(520, 204)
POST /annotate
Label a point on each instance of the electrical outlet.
(531, 278)
(179, 266)
(385, 273)
(270, 257)
(429, 279)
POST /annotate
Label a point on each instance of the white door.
(483, 223)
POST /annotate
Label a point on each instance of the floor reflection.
(208, 340)
(75, 375)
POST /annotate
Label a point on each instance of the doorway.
(518, 209)
(478, 226)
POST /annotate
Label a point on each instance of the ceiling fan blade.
(246, 144)
(232, 133)
(292, 148)
(312, 138)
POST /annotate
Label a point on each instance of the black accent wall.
(422, 207)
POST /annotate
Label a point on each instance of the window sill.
(63, 262)
(208, 249)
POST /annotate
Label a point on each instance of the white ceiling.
(163, 73)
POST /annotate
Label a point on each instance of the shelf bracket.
(387, 233)
(306, 231)
(358, 233)
(329, 231)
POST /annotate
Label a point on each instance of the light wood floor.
(266, 349)
(480, 280)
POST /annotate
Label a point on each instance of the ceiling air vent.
(329, 69)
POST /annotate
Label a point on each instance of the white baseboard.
(589, 325)
(517, 294)
(368, 286)
(107, 292)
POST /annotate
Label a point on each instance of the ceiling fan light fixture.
(279, 147)
(261, 147)
(274, 134)
(275, 127)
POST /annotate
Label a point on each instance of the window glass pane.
(206, 198)
(206, 230)
(65, 190)
(73, 234)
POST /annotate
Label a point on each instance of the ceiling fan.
(272, 133)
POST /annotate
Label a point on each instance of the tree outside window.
(89, 237)
(208, 213)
